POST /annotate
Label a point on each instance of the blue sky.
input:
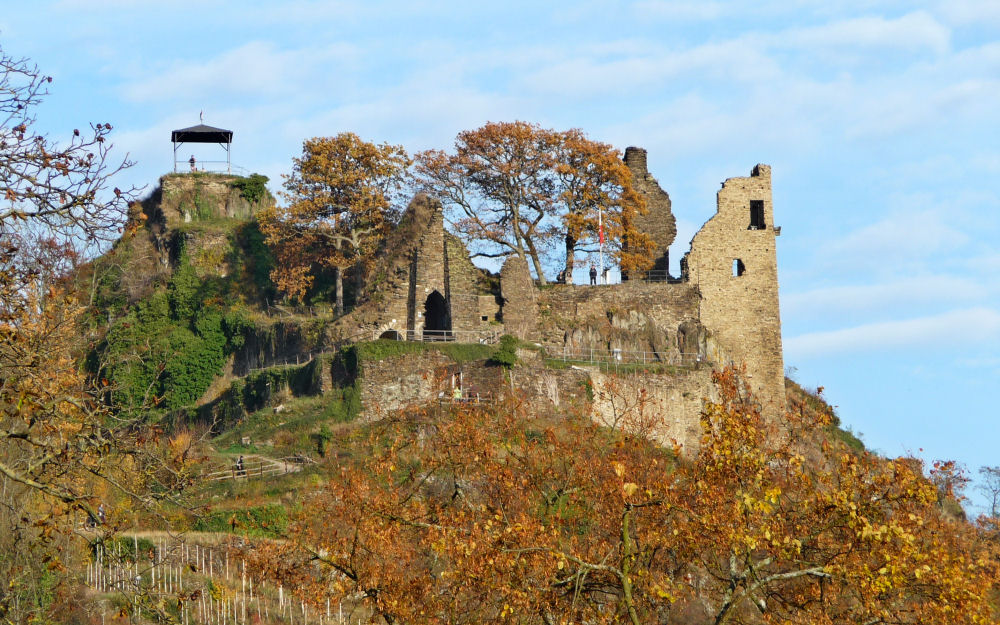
(881, 121)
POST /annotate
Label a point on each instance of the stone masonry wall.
(659, 222)
(632, 316)
(402, 381)
(741, 311)
(187, 197)
(429, 272)
(666, 406)
(520, 298)
(466, 294)
(419, 258)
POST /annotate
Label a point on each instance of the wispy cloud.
(900, 237)
(257, 68)
(909, 32)
(971, 326)
(680, 9)
(906, 293)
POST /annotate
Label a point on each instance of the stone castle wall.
(724, 310)
(658, 222)
(734, 266)
(633, 316)
(667, 407)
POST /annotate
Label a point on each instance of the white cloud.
(902, 294)
(973, 326)
(900, 237)
(970, 12)
(589, 70)
(256, 68)
(918, 30)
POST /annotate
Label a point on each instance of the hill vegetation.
(162, 418)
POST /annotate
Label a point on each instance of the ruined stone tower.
(659, 222)
(734, 265)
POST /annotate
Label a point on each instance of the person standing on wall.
(593, 274)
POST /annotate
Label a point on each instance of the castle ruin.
(422, 286)
(721, 310)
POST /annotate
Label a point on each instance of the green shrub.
(253, 188)
(323, 438)
(847, 437)
(268, 521)
(506, 352)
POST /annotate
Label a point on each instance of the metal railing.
(652, 275)
(213, 167)
(483, 337)
(299, 359)
(466, 398)
(276, 310)
(620, 356)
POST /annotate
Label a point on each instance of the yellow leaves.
(619, 468)
(663, 594)
(629, 488)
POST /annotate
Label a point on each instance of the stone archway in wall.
(437, 322)
(391, 335)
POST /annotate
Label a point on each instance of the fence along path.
(255, 465)
(207, 584)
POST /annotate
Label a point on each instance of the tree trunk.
(535, 261)
(359, 280)
(570, 258)
(338, 288)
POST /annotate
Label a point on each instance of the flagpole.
(600, 238)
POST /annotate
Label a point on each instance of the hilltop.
(487, 478)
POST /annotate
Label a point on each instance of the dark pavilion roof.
(201, 134)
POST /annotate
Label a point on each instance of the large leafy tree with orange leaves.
(341, 202)
(599, 200)
(517, 188)
(61, 453)
(479, 516)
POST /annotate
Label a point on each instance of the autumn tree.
(600, 203)
(500, 182)
(517, 188)
(341, 202)
(61, 452)
(481, 516)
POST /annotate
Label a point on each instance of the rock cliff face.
(633, 317)
(183, 198)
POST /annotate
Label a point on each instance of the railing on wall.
(213, 167)
(483, 337)
(620, 356)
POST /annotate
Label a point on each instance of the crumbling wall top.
(658, 222)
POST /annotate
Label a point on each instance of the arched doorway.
(437, 326)
(391, 335)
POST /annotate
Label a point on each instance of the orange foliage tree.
(517, 188)
(340, 205)
(599, 199)
(477, 516)
(61, 453)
